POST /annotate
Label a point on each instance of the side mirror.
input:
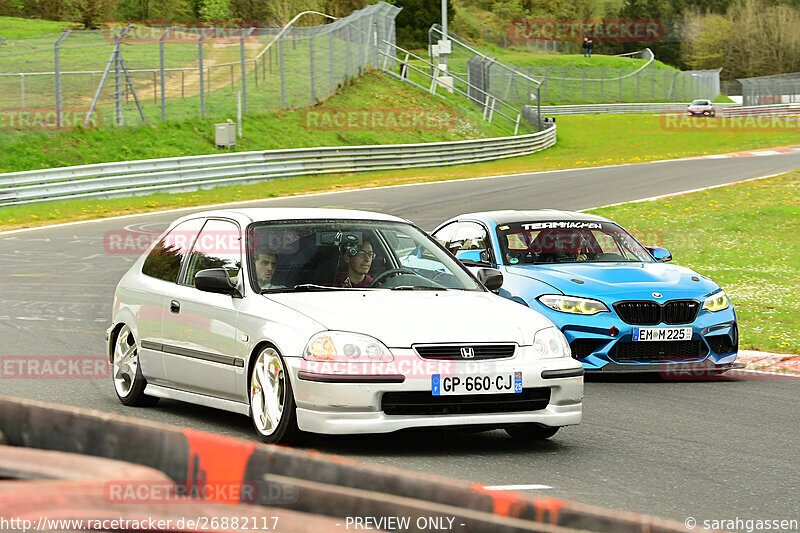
(661, 255)
(492, 279)
(215, 280)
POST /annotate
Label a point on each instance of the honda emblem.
(467, 352)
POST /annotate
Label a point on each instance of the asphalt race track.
(707, 450)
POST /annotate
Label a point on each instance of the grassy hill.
(373, 92)
(19, 27)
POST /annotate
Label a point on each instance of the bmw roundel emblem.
(656, 295)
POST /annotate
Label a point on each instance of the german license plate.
(662, 334)
(507, 382)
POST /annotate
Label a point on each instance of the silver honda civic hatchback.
(333, 321)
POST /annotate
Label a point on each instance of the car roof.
(510, 216)
(258, 214)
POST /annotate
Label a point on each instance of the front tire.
(531, 431)
(272, 407)
(126, 373)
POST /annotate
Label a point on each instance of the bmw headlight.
(717, 302)
(573, 304)
(549, 343)
(346, 347)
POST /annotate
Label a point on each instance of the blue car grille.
(658, 351)
(453, 351)
(649, 313)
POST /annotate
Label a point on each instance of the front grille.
(720, 343)
(649, 313)
(658, 351)
(424, 403)
(453, 351)
(582, 348)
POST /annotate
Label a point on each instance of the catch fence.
(129, 75)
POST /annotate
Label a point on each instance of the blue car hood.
(628, 280)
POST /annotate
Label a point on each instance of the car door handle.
(175, 306)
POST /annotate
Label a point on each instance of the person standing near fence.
(587, 46)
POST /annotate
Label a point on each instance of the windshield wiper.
(418, 288)
(304, 287)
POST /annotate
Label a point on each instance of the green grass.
(20, 27)
(747, 238)
(524, 58)
(27, 150)
(582, 141)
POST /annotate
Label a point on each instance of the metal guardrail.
(597, 109)
(179, 174)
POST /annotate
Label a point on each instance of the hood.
(402, 318)
(621, 280)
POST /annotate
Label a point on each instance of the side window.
(219, 245)
(468, 236)
(443, 235)
(164, 261)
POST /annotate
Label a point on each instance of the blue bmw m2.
(619, 304)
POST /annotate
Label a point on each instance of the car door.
(160, 271)
(202, 358)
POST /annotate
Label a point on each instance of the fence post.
(333, 77)
(244, 67)
(638, 86)
(311, 65)
(163, 82)
(283, 74)
(200, 66)
(57, 59)
(347, 52)
(653, 85)
(22, 88)
(583, 84)
(602, 84)
(117, 86)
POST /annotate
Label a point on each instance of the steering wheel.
(392, 272)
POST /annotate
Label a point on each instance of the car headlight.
(717, 302)
(573, 304)
(346, 347)
(549, 343)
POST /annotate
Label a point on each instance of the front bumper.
(714, 335)
(325, 406)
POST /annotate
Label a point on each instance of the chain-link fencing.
(643, 81)
(131, 75)
(776, 89)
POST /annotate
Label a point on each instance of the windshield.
(701, 102)
(346, 254)
(531, 243)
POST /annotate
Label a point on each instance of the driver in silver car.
(359, 261)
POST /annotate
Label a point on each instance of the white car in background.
(426, 345)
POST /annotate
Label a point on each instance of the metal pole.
(163, 82)
(333, 77)
(22, 88)
(444, 33)
(283, 75)
(239, 112)
(202, 87)
(244, 67)
(347, 52)
(117, 87)
(311, 65)
(57, 58)
(155, 88)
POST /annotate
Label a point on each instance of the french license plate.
(662, 334)
(508, 382)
